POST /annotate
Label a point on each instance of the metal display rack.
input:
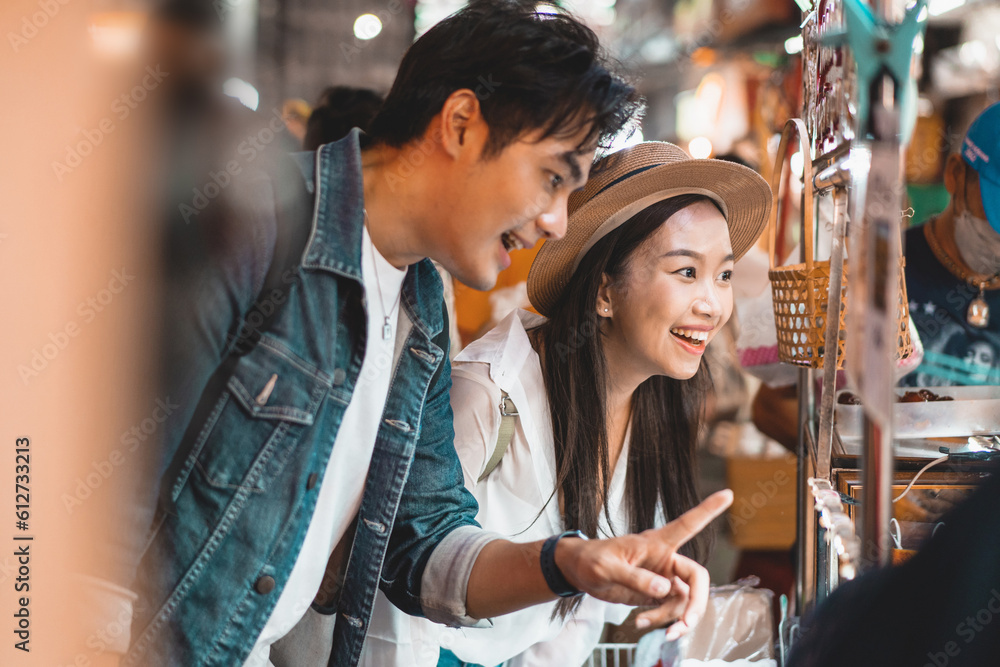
(859, 98)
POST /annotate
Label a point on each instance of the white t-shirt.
(509, 502)
(344, 479)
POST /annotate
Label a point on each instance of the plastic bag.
(738, 629)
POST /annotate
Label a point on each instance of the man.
(296, 112)
(953, 267)
(322, 443)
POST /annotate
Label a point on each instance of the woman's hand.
(646, 569)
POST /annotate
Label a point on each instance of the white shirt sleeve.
(445, 583)
(107, 604)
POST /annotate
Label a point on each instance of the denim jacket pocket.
(270, 399)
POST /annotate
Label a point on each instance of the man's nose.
(552, 222)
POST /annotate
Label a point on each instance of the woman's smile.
(692, 340)
(676, 295)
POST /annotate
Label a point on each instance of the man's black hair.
(530, 71)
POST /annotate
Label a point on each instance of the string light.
(367, 26)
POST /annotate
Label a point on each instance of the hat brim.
(743, 196)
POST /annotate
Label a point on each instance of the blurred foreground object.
(78, 258)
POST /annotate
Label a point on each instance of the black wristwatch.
(553, 577)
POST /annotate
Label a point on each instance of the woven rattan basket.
(800, 292)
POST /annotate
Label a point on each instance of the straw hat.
(631, 180)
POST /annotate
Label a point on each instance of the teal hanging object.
(880, 48)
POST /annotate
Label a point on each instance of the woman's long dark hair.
(666, 413)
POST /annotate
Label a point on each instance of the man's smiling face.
(508, 201)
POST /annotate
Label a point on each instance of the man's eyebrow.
(574, 167)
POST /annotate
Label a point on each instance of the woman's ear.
(604, 307)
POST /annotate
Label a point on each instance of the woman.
(608, 390)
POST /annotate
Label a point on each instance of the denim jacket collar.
(336, 245)
(338, 219)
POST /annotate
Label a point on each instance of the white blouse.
(509, 502)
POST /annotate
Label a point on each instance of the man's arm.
(634, 569)
(436, 516)
(441, 565)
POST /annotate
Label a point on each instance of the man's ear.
(954, 171)
(604, 292)
(460, 120)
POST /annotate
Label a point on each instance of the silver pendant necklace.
(386, 327)
(978, 314)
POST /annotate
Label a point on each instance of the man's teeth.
(511, 242)
(697, 337)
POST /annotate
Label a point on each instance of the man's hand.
(645, 569)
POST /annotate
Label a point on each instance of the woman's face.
(674, 298)
(981, 353)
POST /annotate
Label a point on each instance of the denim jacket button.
(356, 622)
(265, 585)
(376, 526)
(339, 375)
(311, 481)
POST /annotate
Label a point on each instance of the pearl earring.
(605, 310)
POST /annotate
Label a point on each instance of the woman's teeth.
(693, 337)
(511, 242)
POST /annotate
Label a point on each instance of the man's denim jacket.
(239, 495)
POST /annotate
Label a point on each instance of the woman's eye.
(687, 272)
(726, 276)
(556, 181)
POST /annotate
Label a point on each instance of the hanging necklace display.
(978, 312)
(386, 327)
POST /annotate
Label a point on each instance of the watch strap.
(553, 576)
